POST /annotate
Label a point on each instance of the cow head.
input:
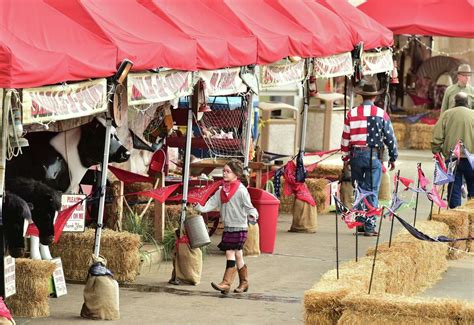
(16, 210)
(43, 215)
(91, 144)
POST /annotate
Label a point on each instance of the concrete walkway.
(277, 281)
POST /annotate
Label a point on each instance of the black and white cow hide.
(15, 212)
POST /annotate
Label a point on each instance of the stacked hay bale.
(317, 188)
(402, 269)
(420, 136)
(327, 171)
(120, 249)
(458, 223)
(32, 288)
(394, 310)
(470, 211)
(400, 130)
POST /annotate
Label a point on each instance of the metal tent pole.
(103, 184)
(305, 109)
(248, 135)
(3, 158)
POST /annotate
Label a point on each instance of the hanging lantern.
(394, 77)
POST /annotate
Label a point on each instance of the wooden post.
(160, 212)
(114, 220)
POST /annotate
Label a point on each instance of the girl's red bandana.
(228, 190)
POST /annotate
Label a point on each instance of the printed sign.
(223, 82)
(279, 74)
(149, 88)
(333, 66)
(10, 276)
(54, 103)
(76, 222)
(376, 62)
(58, 278)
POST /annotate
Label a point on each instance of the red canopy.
(46, 47)
(364, 28)
(329, 34)
(221, 43)
(454, 18)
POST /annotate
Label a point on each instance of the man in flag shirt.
(367, 128)
(456, 124)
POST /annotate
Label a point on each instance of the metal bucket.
(197, 232)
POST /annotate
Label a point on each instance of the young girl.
(233, 201)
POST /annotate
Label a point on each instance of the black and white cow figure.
(15, 212)
(61, 159)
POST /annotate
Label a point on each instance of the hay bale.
(317, 188)
(385, 192)
(470, 203)
(458, 223)
(470, 212)
(121, 249)
(327, 171)
(420, 136)
(389, 309)
(32, 288)
(323, 301)
(136, 187)
(400, 130)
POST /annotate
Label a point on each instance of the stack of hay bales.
(402, 269)
(327, 171)
(173, 214)
(420, 136)
(458, 223)
(120, 249)
(317, 188)
(394, 310)
(400, 130)
(32, 288)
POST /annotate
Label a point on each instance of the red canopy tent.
(453, 18)
(364, 28)
(47, 47)
(278, 36)
(149, 41)
(220, 43)
(329, 34)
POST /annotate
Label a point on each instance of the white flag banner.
(333, 66)
(149, 87)
(281, 73)
(376, 62)
(55, 103)
(222, 82)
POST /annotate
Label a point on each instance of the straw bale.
(470, 211)
(470, 203)
(317, 188)
(390, 309)
(137, 187)
(420, 136)
(385, 191)
(32, 288)
(121, 249)
(458, 223)
(400, 130)
(327, 171)
(323, 301)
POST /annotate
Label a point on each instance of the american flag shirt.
(368, 126)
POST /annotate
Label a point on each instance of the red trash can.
(267, 206)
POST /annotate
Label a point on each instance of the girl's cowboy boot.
(243, 280)
(229, 276)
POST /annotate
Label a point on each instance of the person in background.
(366, 129)
(236, 209)
(463, 84)
(456, 124)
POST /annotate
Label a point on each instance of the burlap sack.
(305, 217)
(252, 244)
(346, 193)
(101, 296)
(187, 262)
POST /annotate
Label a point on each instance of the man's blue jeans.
(465, 170)
(367, 179)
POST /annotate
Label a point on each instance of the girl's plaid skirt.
(234, 240)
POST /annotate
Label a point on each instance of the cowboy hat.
(464, 69)
(369, 89)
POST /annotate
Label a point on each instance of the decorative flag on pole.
(434, 196)
(437, 157)
(348, 216)
(457, 150)
(469, 156)
(424, 182)
(406, 182)
(361, 194)
(441, 176)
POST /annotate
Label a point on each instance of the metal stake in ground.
(396, 192)
(418, 166)
(375, 252)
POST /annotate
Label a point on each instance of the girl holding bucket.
(236, 209)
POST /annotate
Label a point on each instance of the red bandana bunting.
(128, 177)
(199, 194)
(405, 181)
(292, 187)
(159, 194)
